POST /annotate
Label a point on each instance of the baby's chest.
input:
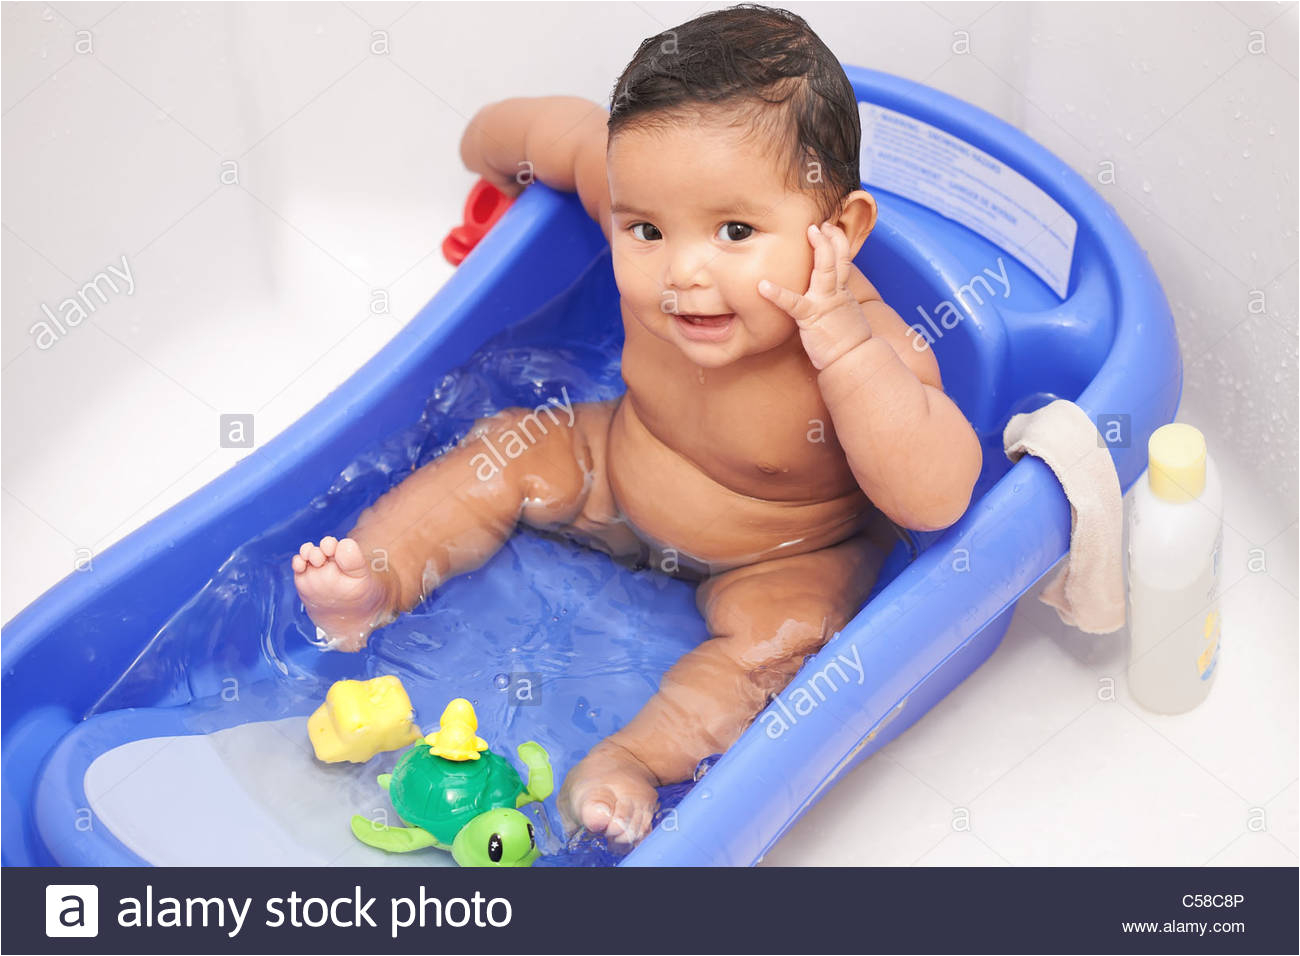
(787, 459)
(772, 446)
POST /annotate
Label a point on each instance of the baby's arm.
(559, 140)
(910, 447)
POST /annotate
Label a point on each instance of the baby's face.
(699, 217)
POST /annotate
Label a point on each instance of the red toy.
(483, 207)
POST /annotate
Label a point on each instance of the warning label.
(928, 166)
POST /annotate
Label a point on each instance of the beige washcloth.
(1088, 592)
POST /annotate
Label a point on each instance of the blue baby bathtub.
(1030, 289)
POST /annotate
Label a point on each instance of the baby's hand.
(830, 319)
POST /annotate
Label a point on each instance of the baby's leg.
(764, 618)
(545, 468)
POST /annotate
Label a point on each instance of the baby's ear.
(857, 218)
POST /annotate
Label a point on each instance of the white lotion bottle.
(1174, 554)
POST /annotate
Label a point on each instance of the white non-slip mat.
(251, 795)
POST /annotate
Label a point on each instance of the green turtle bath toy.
(455, 794)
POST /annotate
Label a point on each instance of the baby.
(776, 410)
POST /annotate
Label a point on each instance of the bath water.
(588, 638)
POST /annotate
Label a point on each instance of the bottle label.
(1174, 639)
(1209, 656)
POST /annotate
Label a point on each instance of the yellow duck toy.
(361, 718)
(456, 737)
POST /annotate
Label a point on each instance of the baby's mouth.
(705, 328)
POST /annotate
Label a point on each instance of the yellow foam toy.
(361, 718)
(455, 738)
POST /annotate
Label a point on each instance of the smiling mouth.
(705, 328)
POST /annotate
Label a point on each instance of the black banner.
(406, 910)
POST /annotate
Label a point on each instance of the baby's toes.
(646, 821)
(314, 575)
(596, 811)
(328, 544)
(350, 558)
(302, 560)
(631, 820)
(621, 811)
(312, 554)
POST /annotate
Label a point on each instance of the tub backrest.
(985, 264)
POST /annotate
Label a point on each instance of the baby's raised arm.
(559, 140)
(910, 447)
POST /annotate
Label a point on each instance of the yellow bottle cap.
(1176, 469)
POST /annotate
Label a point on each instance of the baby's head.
(728, 136)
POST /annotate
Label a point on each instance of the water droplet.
(501, 681)
(582, 713)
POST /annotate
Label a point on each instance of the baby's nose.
(686, 267)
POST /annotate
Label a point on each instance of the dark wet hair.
(772, 72)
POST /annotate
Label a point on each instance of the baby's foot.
(610, 792)
(344, 597)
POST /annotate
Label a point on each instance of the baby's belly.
(676, 508)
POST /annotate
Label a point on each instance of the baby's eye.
(649, 231)
(734, 231)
